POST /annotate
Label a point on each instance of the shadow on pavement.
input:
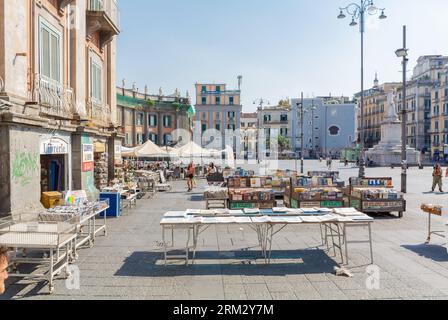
(197, 198)
(248, 263)
(434, 252)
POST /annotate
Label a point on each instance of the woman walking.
(190, 176)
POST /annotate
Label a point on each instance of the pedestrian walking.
(437, 178)
(190, 176)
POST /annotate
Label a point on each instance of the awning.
(150, 150)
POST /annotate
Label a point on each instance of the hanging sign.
(53, 146)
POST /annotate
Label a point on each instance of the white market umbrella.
(129, 152)
(150, 150)
(192, 150)
(173, 152)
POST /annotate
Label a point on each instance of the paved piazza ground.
(127, 264)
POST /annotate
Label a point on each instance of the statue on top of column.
(392, 114)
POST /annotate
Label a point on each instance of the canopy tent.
(150, 150)
(173, 152)
(147, 150)
(129, 152)
(230, 158)
(192, 150)
(215, 153)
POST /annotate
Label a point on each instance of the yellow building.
(218, 108)
(375, 108)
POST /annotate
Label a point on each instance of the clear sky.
(280, 47)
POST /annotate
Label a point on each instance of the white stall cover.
(150, 150)
(193, 150)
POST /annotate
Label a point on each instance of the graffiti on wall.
(23, 167)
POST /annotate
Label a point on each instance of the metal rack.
(49, 246)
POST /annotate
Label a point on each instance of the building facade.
(329, 125)
(439, 118)
(274, 121)
(375, 108)
(144, 117)
(218, 108)
(57, 98)
(428, 73)
(249, 133)
(421, 110)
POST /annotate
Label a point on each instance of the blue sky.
(280, 47)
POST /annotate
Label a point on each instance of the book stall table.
(46, 245)
(311, 192)
(334, 175)
(280, 180)
(84, 217)
(215, 178)
(229, 173)
(216, 197)
(267, 224)
(376, 195)
(251, 193)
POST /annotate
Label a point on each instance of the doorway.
(52, 173)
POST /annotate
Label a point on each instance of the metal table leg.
(188, 248)
(164, 244)
(345, 242)
(51, 285)
(371, 243)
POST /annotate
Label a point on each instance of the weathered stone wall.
(14, 47)
(24, 170)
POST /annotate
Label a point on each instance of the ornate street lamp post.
(403, 53)
(358, 13)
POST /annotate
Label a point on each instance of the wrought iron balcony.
(98, 113)
(54, 99)
(103, 16)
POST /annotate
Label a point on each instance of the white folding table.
(266, 227)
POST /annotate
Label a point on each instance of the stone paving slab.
(127, 264)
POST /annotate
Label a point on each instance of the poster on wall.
(118, 158)
(87, 158)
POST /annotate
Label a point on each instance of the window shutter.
(55, 58)
(45, 51)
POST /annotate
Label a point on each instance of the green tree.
(283, 143)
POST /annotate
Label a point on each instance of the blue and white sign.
(53, 146)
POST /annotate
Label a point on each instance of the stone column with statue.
(388, 151)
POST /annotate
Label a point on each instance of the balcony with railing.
(98, 113)
(54, 98)
(103, 16)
